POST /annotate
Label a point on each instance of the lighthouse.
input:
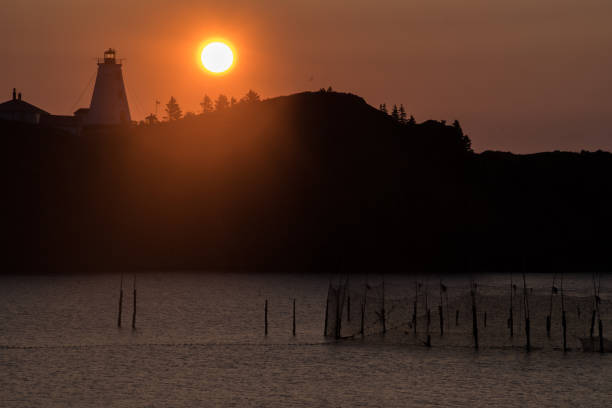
(109, 105)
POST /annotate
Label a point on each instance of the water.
(199, 342)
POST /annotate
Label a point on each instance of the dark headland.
(308, 182)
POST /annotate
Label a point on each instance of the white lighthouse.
(109, 105)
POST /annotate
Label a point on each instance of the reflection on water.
(199, 342)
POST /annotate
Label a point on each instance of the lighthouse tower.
(109, 105)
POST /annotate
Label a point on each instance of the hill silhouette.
(312, 181)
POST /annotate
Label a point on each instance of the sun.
(217, 57)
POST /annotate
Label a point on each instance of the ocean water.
(199, 341)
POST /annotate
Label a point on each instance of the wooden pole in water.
(527, 322)
(416, 299)
(293, 317)
(266, 318)
(563, 318)
(446, 299)
(528, 334)
(474, 315)
(348, 308)
(601, 342)
(326, 313)
(511, 318)
(427, 310)
(327, 310)
(120, 302)
(363, 305)
(362, 328)
(134, 311)
(594, 308)
(600, 324)
(414, 317)
(601, 338)
(549, 317)
(440, 310)
(428, 342)
(564, 325)
(383, 315)
(338, 327)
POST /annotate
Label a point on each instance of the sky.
(520, 75)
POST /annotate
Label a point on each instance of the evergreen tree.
(383, 108)
(395, 113)
(402, 114)
(233, 101)
(221, 103)
(411, 121)
(173, 110)
(457, 126)
(465, 140)
(467, 143)
(207, 104)
(250, 97)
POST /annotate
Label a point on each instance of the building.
(71, 124)
(109, 104)
(19, 110)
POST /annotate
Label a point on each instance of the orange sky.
(521, 75)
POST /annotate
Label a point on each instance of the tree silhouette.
(207, 104)
(457, 126)
(151, 119)
(250, 97)
(402, 114)
(173, 110)
(233, 101)
(465, 140)
(395, 113)
(221, 103)
(383, 108)
(189, 115)
(411, 121)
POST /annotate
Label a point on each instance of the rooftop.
(17, 105)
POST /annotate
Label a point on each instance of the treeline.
(174, 112)
(398, 114)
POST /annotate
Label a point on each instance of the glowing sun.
(217, 57)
